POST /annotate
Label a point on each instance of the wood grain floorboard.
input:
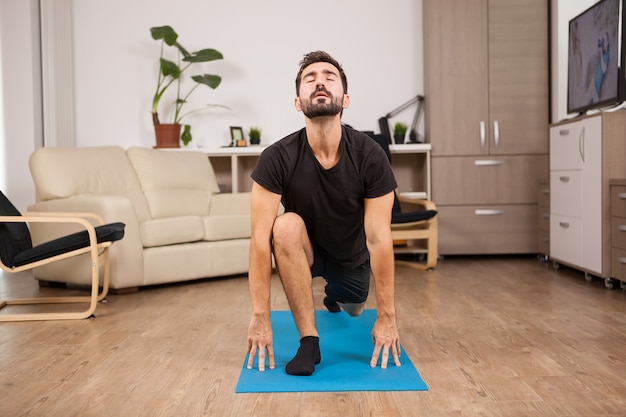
(491, 336)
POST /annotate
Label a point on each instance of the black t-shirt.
(330, 201)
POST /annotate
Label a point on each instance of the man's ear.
(296, 103)
(346, 101)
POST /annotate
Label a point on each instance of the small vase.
(398, 139)
(255, 141)
(167, 135)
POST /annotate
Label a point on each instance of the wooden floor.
(501, 337)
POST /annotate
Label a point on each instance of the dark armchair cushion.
(105, 233)
(14, 237)
(414, 216)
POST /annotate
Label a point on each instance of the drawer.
(488, 180)
(543, 218)
(566, 193)
(618, 264)
(543, 195)
(566, 146)
(618, 232)
(487, 229)
(543, 243)
(618, 201)
(566, 239)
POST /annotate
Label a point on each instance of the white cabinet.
(582, 154)
(575, 176)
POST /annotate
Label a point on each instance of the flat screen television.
(595, 76)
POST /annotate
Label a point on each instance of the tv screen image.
(593, 59)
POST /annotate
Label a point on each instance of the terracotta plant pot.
(167, 135)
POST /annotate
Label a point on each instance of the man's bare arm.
(380, 245)
(264, 207)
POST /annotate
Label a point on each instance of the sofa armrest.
(126, 255)
(110, 208)
(229, 204)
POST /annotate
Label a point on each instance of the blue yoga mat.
(346, 346)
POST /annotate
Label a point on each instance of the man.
(337, 187)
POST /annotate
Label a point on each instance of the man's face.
(321, 91)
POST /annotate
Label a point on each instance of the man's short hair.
(320, 56)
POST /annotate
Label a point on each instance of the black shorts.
(344, 285)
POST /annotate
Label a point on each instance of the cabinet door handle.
(482, 134)
(488, 212)
(564, 225)
(546, 215)
(545, 191)
(564, 132)
(622, 260)
(488, 162)
(564, 178)
(621, 196)
(496, 133)
(581, 144)
(622, 227)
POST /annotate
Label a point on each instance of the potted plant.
(399, 132)
(171, 72)
(255, 135)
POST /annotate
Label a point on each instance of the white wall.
(20, 88)
(379, 45)
(562, 12)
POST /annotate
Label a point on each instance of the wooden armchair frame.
(99, 253)
(418, 230)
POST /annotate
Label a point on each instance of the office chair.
(18, 254)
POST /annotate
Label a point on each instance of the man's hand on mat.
(385, 337)
(260, 340)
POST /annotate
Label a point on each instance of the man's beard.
(312, 108)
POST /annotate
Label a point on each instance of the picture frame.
(236, 134)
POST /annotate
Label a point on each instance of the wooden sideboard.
(410, 163)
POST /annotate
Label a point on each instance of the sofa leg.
(122, 291)
(51, 284)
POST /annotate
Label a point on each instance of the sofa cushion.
(234, 226)
(171, 230)
(175, 183)
(65, 172)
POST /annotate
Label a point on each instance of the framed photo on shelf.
(236, 134)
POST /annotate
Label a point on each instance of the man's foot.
(331, 305)
(330, 302)
(308, 356)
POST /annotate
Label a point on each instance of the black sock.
(329, 301)
(307, 357)
(331, 305)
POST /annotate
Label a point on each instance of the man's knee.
(289, 238)
(353, 309)
(287, 227)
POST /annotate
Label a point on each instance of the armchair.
(417, 224)
(18, 254)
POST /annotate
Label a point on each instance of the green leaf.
(204, 55)
(183, 51)
(169, 68)
(186, 136)
(164, 32)
(207, 79)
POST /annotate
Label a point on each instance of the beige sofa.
(178, 226)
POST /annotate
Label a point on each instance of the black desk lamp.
(383, 122)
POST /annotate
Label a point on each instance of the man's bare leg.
(294, 256)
